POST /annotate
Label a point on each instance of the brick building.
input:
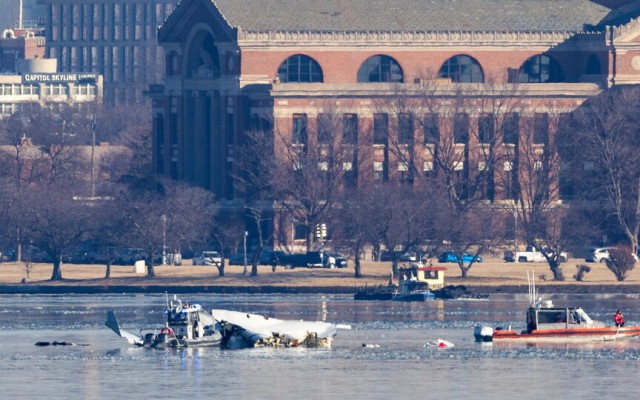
(238, 65)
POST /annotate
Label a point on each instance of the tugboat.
(415, 283)
(187, 326)
(546, 323)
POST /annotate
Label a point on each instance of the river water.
(398, 363)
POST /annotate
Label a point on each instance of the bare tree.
(532, 180)
(50, 220)
(605, 152)
(256, 175)
(228, 233)
(318, 158)
(450, 140)
(354, 225)
(166, 214)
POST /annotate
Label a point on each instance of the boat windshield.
(563, 315)
(552, 316)
(180, 318)
(583, 317)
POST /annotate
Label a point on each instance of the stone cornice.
(618, 32)
(407, 38)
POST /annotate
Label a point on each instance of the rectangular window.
(350, 129)
(486, 126)
(379, 171)
(380, 129)
(540, 128)
(405, 129)
(324, 128)
(461, 128)
(299, 135)
(299, 232)
(510, 128)
(431, 129)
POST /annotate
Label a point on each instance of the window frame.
(297, 66)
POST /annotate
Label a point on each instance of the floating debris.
(439, 343)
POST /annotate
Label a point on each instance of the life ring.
(166, 331)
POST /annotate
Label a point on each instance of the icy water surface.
(397, 366)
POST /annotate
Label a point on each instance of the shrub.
(581, 271)
(621, 261)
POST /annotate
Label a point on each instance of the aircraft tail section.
(112, 323)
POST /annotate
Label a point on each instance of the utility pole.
(93, 151)
(245, 253)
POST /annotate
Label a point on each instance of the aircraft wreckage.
(190, 325)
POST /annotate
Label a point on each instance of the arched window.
(380, 69)
(593, 65)
(202, 57)
(540, 69)
(462, 69)
(300, 68)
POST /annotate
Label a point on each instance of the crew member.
(618, 319)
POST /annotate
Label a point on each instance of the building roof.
(412, 15)
(622, 14)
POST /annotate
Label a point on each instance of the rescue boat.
(547, 323)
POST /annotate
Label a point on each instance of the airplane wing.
(112, 323)
(254, 327)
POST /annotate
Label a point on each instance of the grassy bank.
(489, 276)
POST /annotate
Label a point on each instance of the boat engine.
(483, 333)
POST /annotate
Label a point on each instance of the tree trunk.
(464, 271)
(221, 268)
(150, 271)
(56, 275)
(107, 273)
(556, 270)
(357, 272)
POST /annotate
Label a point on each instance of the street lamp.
(93, 150)
(245, 251)
(164, 239)
(515, 230)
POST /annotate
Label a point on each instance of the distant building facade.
(233, 66)
(28, 79)
(113, 38)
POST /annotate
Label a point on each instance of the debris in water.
(439, 343)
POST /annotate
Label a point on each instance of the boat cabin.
(185, 321)
(433, 277)
(549, 317)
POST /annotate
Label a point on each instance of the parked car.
(267, 257)
(312, 259)
(390, 255)
(451, 257)
(597, 254)
(601, 254)
(509, 256)
(207, 257)
(294, 260)
(315, 259)
(331, 260)
(532, 255)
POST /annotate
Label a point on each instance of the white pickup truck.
(532, 255)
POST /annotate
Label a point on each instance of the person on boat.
(619, 319)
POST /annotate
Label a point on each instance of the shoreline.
(473, 290)
(493, 277)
